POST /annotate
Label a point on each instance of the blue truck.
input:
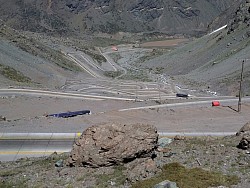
(70, 114)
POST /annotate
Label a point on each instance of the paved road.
(11, 150)
(60, 94)
(224, 102)
(115, 66)
(14, 146)
(109, 60)
(83, 66)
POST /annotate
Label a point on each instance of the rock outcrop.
(245, 142)
(244, 130)
(241, 18)
(111, 16)
(2, 118)
(112, 144)
(140, 169)
(245, 133)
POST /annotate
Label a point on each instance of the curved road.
(84, 67)
(112, 63)
(224, 102)
(108, 60)
(60, 94)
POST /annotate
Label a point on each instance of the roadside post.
(136, 86)
(241, 80)
(159, 89)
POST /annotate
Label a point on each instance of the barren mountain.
(110, 16)
(210, 61)
(26, 60)
(213, 61)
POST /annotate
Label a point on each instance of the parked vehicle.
(182, 95)
(70, 114)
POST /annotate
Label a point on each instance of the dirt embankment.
(165, 43)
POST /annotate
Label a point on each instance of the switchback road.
(59, 94)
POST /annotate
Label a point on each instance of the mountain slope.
(213, 60)
(26, 61)
(110, 16)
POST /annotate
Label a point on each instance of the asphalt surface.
(59, 94)
(207, 103)
(11, 150)
(14, 146)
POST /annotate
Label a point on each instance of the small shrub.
(112, 74)
(13, 74)
(188, 178)
(117, 176)
(7, 173)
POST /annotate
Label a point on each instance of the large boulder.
(112, 144)
(140, 169)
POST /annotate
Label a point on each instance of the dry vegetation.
(13, 74)
(191, 163)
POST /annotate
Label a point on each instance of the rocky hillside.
(213, 60)
(28, 61)
(241, 18)
(111, 16)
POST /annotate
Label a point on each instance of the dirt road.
(25, 114)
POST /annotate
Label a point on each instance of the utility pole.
(136, 86)
(240, 90)
(159, 90)
(136, 91)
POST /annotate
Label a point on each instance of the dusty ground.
(26, 114)
(165, 43)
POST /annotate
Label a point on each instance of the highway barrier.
(65, 136)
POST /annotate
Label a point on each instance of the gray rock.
(59, 163)
(141, 169)
(112, 144)
(163, 142)
(242, 16)
(166, 184)
(245, 142)
(2, 118)
(179, 137)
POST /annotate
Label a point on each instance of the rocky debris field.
(188, 162)
(113, 16)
